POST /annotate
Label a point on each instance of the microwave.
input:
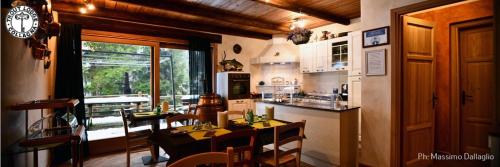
(233, 85)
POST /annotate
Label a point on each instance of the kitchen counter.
(323, 107)
(332, 134)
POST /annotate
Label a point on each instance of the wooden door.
(418, 91)
(477, 86)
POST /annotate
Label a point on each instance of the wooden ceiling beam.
(156, 21)
(290, 6)
(120, 26)
(207, 12)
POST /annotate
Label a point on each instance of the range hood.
(279, 51)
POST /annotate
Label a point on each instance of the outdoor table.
(90, 102)
(154, 118)
(178, 146)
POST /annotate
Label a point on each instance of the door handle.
(464, 97)
(434, 100)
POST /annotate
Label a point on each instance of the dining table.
(91, 102)
(154, 119)
(179, 145)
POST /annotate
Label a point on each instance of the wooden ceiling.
(249, 18)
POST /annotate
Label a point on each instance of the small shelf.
(47, 104)
(278, 86)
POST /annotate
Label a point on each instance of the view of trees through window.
(118, 76)
(174, 77)
(114, 69)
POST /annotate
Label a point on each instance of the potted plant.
(299, 35)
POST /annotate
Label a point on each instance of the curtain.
(200, 67)
(69, 80)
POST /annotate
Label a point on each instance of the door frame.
(455, 77)
(396, 77)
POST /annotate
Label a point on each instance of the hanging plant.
(299, 35)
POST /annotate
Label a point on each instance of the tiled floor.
(119, 160)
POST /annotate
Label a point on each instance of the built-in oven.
(233, 85)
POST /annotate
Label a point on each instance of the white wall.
(250, 48)
(376, 90)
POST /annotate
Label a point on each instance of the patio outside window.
(118, 76)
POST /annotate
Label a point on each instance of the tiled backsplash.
(314, 82)
(323, 82)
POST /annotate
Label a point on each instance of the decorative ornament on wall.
(22, 21)
(33, 21)
(237, 48)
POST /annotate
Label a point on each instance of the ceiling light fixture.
(297, 23)
(83, 10)
(90, 6)
(87, 5)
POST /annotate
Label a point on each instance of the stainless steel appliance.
(233, 85)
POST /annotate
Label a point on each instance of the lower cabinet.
(331, 137)
(354, 90)
(240, 105)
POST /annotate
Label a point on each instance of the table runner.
(199, 134)
(260, 124)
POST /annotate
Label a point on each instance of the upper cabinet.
(354, 61)
(337, 54)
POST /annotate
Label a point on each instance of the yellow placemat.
(260, 125)
(199, 134)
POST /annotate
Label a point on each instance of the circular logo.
(22, 21)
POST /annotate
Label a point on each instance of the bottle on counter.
(158, 109)
(337, 104)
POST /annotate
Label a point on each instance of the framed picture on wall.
(376, 37)
(375, 62)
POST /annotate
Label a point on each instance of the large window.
(118, 76)
(174, 78)
(115, 76)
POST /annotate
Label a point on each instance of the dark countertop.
(313, 106)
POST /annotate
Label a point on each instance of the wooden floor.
(119, 160)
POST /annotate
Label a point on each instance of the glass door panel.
(115, 76)
(174, 78)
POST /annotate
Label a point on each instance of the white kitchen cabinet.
(321, 64)
(354, 62)
(337, 54)
(240, 105)
(354, 91)
(313, 57)
(307, 53)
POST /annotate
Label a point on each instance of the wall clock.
(237, 48)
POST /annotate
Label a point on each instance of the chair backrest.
(124, 119)
(192, 108)
(287, 134)
(235, 113)
(189, 118)
(206, 158)
(242, 141)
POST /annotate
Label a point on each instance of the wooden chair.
(206, 158)
(192, 108)
(277, 157)
(189, 118)
(243, 150)
(135, 141)
(232, 114)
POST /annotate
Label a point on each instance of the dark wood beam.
(157, 21)
(207, 12)
(291, 6)
(120, 26)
